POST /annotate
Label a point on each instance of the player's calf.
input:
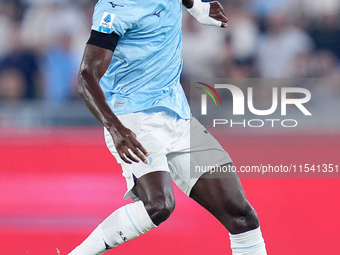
(123, 225)
(132, 220)
(223, 197)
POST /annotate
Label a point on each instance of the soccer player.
(129, 79)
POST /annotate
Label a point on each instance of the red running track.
(57, 185)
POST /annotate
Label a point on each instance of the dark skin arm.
(94, 65)
(216, 11)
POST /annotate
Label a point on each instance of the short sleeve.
(115, 17)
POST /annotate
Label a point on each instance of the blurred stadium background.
(58, 180)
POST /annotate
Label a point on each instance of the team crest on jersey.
(106, 22)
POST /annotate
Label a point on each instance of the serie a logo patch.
(106, 22)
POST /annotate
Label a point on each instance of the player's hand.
(127, 146)
(211, 13)
(217, 12)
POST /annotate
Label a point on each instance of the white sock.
(248, 243)
(124, 224)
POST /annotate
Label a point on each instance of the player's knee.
(160, 209)
(245, 219)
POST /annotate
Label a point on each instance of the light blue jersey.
(145, 68)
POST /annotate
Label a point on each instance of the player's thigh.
(149, 132)
(196, 152)
(223, 196)
(219, 192)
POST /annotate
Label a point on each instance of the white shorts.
(174, 145)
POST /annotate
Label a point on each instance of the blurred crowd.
(42, 42)
(41, 47)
